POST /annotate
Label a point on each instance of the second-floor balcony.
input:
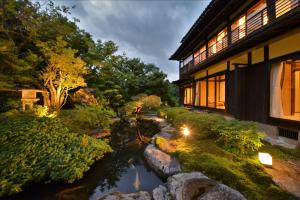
(239, 30)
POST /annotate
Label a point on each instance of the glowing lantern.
(265, 158)
(185, 131)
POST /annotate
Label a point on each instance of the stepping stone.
(161, 162)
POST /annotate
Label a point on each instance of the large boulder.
(132, 196)
(195, 185)
(160, 193)
(222, 192)
(164, 164)
(177, 183)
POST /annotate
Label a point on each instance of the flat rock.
(222, 192)
(176, 183)
(164, 164)
(162, 135)
(132, 196)
(195, 185)
(160, 193)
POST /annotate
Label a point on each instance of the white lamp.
(265, 158)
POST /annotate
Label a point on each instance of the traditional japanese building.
(242, 58)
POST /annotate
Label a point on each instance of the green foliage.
(43, 111)
(29, 31)
(237, 136)
(151, 102)
(34, 149)
(87, 117)
(147, 103)
(174, 112)
(234, 136)
(200, 123)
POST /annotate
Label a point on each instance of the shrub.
(88, 117)
(147, 103)
(43, 111)
(151, 102)
(234, 136)
(237, 136)
(199, 123)
(34, 149)
(172, 113)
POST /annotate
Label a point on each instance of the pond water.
(125, 170)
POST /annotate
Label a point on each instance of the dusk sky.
(148, 29)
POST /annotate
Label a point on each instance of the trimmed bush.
(234, 136)
(34, 149)
(200, 123)
(146, 103)
(173, 113)
(87, 117)
(237, 136)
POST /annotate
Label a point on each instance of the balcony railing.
(200, 58)
(252, 24)
(218, 46)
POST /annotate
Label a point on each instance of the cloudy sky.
(148, 29)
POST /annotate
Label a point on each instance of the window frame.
(274, 120)
(224, 72)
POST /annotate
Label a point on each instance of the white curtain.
(197, 94)
(275, 90)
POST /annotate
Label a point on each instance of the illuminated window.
(238, 29)
(188, 96)
(197, 57)
(220, 92)
(284, 6)
(221, 40)
(285, 90)
(211, 92)
(212, 46)
(200, 55)
(257, 16)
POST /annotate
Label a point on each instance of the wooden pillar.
(227, 88)
(229, 34)
(271, 12)
(267, 71)
(206, 88)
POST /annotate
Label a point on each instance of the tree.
(64, 71)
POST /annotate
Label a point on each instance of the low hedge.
(173, 113)
(87, 117)
(34, 149)
(233, 135)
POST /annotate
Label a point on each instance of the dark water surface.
(124, 170)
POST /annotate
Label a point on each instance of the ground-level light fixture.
(185, 131)
(265, 158)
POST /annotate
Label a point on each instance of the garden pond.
(124, 170)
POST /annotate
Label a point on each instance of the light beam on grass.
(185, 131)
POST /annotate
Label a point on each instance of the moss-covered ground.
(240, 171)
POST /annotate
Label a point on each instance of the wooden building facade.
(242, 58)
